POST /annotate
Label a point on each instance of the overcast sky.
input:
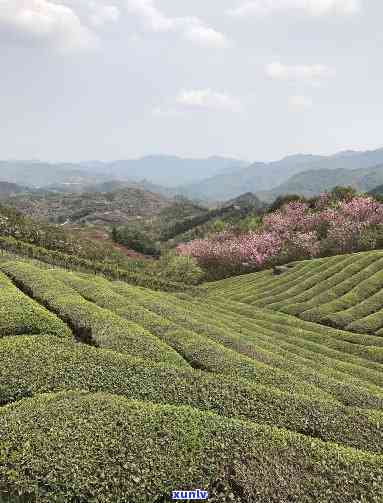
(254, 79)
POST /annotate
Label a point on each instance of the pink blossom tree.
(293, 232)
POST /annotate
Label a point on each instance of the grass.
(266, 388)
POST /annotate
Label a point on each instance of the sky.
(251, 79)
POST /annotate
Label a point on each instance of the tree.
(183, 269)
(281, 201)
(340, 193)
(115, 234)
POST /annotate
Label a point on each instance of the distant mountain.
(212, 180)
(43, 174)
(168, 170)
(313, 182)
(158, 170)
(260, 177)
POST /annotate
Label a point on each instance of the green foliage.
(249, 223)
(181, 333)
(342, 291)
(21, 315)
(148, 279)
(350, 383)
(55, 238)
(182, 269)
(90, 323)
(340, 193)
(281, 201)
(234, 391)
(32, 365)
(136, 451)
(135, 240)
(242, 211)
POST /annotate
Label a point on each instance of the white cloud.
(206, 37)
(103, 14)
(300, 102)
(208, 99)
(313, 73)
(44, 22)
(190, 28)
(310, 7)
(151, 16)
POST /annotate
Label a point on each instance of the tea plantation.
(258, 388)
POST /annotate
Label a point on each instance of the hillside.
(130, 392)
(377, 191)
(312, 183)
(344, 292)
(260, 177)
(234, 212)
(185, 220)
(96, 208)
(9, 189)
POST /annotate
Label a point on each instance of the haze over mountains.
(213, 179)
(168, 171)
(262, 177)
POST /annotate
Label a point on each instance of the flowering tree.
(293, 232)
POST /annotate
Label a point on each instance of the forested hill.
(111, 208)
(312, 183)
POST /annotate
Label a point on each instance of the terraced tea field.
(262, 389)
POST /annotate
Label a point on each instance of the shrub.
(196, 347)
(21, 315)
(38, 365)
(183, 269)
(350, 385)
(89, 322)
(367, 347)
(94, 447)
(111, 271)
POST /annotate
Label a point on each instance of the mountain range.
(212, 180)
(166, 171)
(281, 176)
